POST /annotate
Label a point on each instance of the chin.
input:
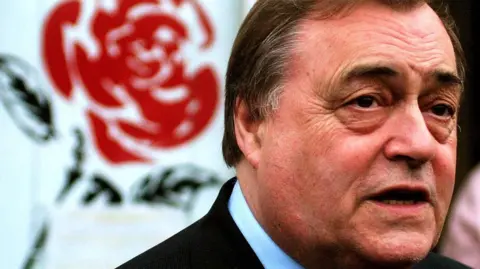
(396, 250)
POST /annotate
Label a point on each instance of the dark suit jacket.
(215, 242)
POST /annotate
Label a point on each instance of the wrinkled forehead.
(372, 28)
(420, 18)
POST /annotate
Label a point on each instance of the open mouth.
(401, 197)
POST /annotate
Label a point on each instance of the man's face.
(359, 157)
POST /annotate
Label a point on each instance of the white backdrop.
(111, 125)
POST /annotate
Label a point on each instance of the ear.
(249, 133)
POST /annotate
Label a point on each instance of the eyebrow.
(440, 77)
(369, 70)
(446, 78)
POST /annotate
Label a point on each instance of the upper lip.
(414, 188)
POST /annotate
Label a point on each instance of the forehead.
(414, 39)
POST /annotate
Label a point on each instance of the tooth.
(399, 202)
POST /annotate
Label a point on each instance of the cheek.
(297, 160)
(333, 167)
(350, 156)
(316, 161)
(444, 167)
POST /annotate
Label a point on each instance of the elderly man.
(340, 119)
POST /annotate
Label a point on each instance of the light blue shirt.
(270, 255)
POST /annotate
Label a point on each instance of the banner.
(112, 121)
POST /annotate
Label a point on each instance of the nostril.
(413, 163)
(416, 163)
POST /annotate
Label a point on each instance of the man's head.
(341, 122)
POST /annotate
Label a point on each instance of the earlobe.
(249, 134)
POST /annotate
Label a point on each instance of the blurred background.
(111, 116)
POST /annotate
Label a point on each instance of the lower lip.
(404, 209)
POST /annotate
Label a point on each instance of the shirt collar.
(267, 251)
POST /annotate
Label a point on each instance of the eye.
(364, 101)
(443, 110)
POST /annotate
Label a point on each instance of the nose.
(410, 140)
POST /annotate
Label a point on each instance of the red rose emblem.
(135, 65)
